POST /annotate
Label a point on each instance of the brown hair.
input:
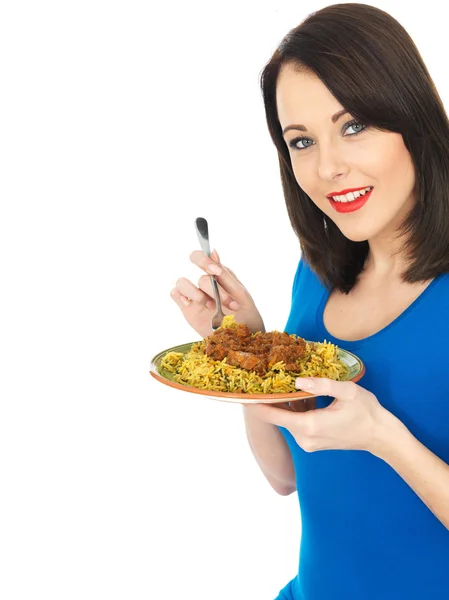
(371, 65)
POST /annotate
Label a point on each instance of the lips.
(353, 205)
(343, 192)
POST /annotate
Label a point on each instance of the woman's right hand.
(197, 304)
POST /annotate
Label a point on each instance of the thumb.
(321, 386)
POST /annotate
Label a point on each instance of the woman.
(363, 145)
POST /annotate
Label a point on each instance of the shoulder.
(304, 276)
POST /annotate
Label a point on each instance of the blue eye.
(355, 125)
(304, 140)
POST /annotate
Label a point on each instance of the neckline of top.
(352, 343)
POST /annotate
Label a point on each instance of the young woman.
(363, 145)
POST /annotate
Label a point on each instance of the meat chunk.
(243, 333)
(255, 352)
(240, 335)
(282, 339)
(248, 361)
(217, 351)
(259, 349)
(289, 354)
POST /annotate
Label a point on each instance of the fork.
(202, 232)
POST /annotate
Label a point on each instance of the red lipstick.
(351, 206)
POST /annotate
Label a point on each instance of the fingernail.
(304, 383)
(215, 269)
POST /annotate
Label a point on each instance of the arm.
(356, 421)
(423, 471)
(271, 452)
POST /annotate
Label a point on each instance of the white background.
(120, 123)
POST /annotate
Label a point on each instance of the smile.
(349, 200)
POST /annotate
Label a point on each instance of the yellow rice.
(196, 369)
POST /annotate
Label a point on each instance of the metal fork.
(202, 232)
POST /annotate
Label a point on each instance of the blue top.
(366, 535)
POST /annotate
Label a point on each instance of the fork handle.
(202, 231)
(213, 280)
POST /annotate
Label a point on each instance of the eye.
(306, 142)
(355, 126)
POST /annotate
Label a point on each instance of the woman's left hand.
(355, 420)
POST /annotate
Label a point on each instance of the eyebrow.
(335, 118)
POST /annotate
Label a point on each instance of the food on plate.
(233, 359)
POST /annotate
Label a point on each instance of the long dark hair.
(371, 65)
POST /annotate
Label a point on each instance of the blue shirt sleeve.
(296, 279)
(299, 270)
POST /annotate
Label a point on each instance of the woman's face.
(336, 160)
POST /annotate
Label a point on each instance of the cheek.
(393, 165)
(303, 172)
(403, 172)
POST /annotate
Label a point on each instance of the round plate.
(356, 370)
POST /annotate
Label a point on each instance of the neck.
(386, 257)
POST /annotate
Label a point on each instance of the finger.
(180, 299)
(205, 285)
(233, 274)
(200, 259)
(216, 258)
(282, 418)
(321, 386)
(187, 289)
(227, 280)
(230, 282)
(184, 302)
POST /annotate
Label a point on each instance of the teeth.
(351, 196)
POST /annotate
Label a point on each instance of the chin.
(357, 235)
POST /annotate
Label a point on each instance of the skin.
(341, 153)
(333, 160)
(197, 303)
(356, 421)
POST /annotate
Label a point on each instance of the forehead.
(301, 97)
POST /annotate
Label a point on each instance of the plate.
(356, 370)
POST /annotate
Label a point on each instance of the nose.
(331, 164)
